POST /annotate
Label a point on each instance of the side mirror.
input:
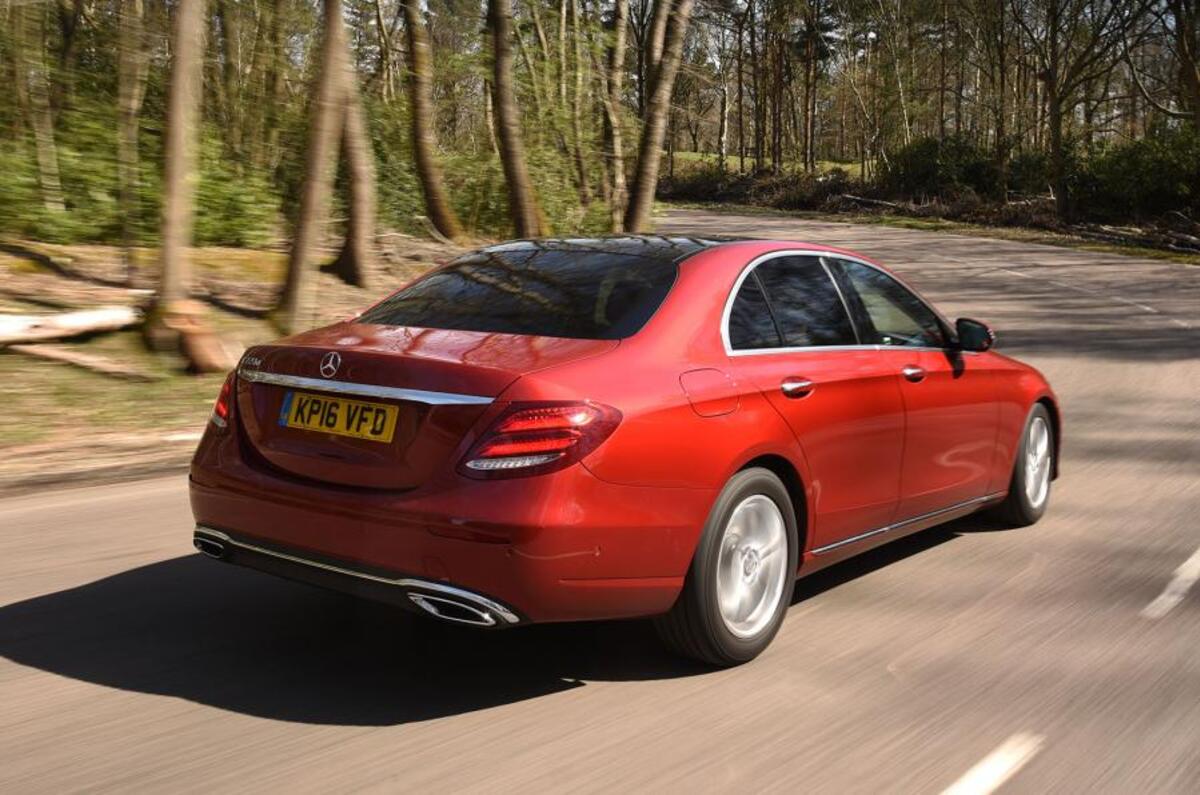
(973, 335)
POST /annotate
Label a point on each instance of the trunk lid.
(438, 381)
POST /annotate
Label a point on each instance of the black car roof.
(662, 247)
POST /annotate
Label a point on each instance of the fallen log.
(54, 291)
(870, 202)
(88, 361)
(38, 328)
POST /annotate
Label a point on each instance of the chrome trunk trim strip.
(399, 582)
(364, 390)
(906, 522)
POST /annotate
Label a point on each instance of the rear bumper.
(560, 547)
(439, 599)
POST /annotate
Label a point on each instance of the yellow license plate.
(356, 418)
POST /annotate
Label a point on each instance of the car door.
(949, 397)
(790, 334)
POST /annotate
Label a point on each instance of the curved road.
(1063, 657)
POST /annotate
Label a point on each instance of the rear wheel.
(1029, 490)
(741, 579)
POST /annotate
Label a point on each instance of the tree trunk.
(614, 146)
(354, 262)
(231, 86)
(723, 127)
(562, 50)
(741, 95)
(70, 14)
(645, 180)
(296, 301)
(1058, 157)
(1001, 104)
(32, 63)
(581, 175)
(755, 86)
(257, 85)
(132, 70)
(273, 88)
(420, 91)
(522, 201)
(179, 151)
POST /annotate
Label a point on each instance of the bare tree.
(663, 65)
(132, 70)
(1180, 21)
(581, 175)
(179, 151)
(354, 262)
(614, 149)
(327, 115)
(523, 206)
(429, 169)
(1074, 41)
(34, 94)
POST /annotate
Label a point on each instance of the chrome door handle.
(796, 387)
(913, 373)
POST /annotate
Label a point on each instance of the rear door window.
(805, 302)
(750, 323)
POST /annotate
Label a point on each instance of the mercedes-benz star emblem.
(330, 364)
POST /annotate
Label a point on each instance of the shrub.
(1029, 172)
(1147, 178)
(928, 168)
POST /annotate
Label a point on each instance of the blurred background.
(212, 173)
(180, 179)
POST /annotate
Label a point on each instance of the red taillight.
(220, 412)
(535, 438)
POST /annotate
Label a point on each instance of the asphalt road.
(1063, 657)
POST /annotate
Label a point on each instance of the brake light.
(536, 438)
(220, 412)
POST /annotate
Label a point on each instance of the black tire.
(694, 627)
(1018, 510)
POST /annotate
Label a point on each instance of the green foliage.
(791, 190)
(398, 192)
(1146, 178)
(232, 208)
(1029, 172)
(929, 168)
(21, 208)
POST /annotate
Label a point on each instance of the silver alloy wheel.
(1037, 462)
(751, 565)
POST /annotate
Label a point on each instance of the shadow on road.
(248, 643)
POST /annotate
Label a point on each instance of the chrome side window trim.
(821, 256)
(363, 390)
(899, 525)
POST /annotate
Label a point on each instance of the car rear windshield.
(581, 292)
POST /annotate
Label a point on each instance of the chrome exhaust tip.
(454, 610)
(209, 546)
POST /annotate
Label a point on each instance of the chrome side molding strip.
(456, 595)
(364, 390)
(898, 525)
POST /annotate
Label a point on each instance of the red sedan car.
(675, 427)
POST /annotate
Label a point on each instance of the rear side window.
(535, 289)
(750, 323)
(805, 302)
